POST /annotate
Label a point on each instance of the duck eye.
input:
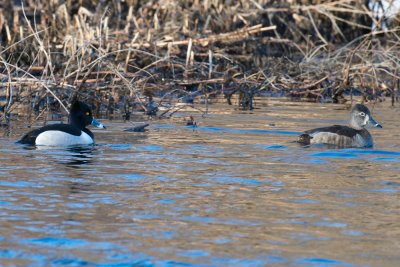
(88, 113)
(362, 114)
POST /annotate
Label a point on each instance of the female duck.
(344, 136)
(74, 133)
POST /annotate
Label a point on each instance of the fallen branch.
(228, 37)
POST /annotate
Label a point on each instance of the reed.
(136, 54)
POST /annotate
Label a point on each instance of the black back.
(336, 129)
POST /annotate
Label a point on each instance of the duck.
(139, 128)
(190, 121)
(356, 135)
(71, 134)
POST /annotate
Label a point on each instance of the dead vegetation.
(124, 56)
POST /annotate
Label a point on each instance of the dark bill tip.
(98, 124)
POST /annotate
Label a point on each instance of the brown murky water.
(235, 191)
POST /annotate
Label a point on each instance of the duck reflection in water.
(79, 155)
(72, 156)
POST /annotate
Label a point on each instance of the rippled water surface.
(235, 191)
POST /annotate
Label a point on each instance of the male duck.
(344, 136)
(74, 133)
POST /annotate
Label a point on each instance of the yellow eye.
(87, 113)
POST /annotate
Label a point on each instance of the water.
(235, 191)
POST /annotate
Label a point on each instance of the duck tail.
(305, 139)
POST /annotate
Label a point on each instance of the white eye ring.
(362, 114)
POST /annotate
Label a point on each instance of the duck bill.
(98, 124)
(373, 123)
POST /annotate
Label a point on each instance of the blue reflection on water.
(388, 190)
(117, 255)
(151, 148)
(390, 183)
(330, 224)
(194, 253)
(352, 232)
(234, 180)
(304, 201)
(370, 154)
(271, 146)
(18, 184)
(120, 146)
(10, 254)
(303, 237)
(57, 241)
(321, 262)
(334, 154)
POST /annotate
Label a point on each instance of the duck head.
(361, 117)
(80, 116)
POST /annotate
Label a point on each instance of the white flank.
(332, 139)
(59, 138)
(366, 119)
(341, 140)
(324, 138)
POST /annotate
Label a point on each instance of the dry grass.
(145, 54)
